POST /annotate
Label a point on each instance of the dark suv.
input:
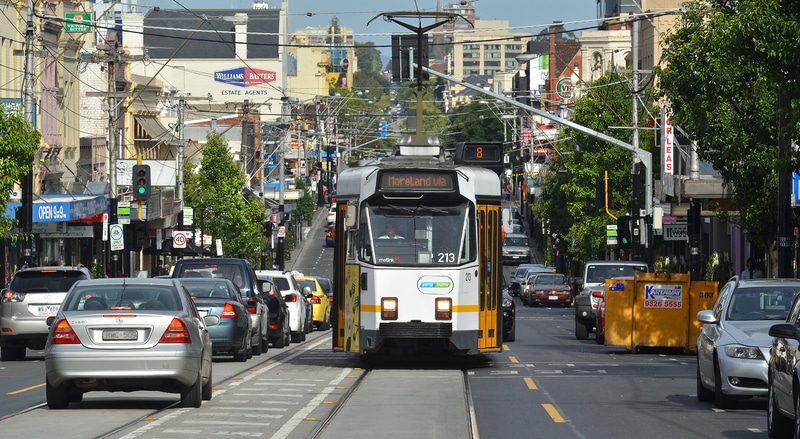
(33, 295)
(241, 273)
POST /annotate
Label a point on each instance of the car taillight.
(314, 300)
(291, 297)
(176, 333)
(330, 300)
(13, 296)
(251, 305)
(63, 333)
(272, 326)
(229, 312)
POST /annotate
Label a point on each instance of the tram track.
(404, 402)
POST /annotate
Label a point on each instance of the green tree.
(724, 66)
(215, 191)
(567, 205)
(475, 122)
(304, 210)
(18, 145)
(369, 57)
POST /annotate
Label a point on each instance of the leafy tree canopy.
(18, 145)
(725, 64)
(215, 192)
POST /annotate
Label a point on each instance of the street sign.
(564, 88)
(676, 232)
(281, 231)
(179, 240)
(116, 234)
(78, 22)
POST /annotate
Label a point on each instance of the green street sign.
(78, 22)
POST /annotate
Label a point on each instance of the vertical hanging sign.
(668, 143)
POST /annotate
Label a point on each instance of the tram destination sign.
(417, 181)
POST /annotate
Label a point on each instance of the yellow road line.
(25, 389)
(553, 413)
(530, 383)
(513, 359)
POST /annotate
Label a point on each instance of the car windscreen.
(281, 282)
(120, 297)
(209, 288)
(768, 303)
(45, 281)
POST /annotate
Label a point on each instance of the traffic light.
(624, 238)
(141, 182)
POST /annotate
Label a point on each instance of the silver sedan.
(126, 334)
(733, 345)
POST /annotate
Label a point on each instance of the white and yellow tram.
(435, 287)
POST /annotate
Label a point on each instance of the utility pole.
(112, 158)
(27, 181)
(636, 245)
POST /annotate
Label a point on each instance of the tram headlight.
(444, 308)
(389, 308)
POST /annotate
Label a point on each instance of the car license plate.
(202, 312)
(553, 297)
(47, 310)
(110, 335)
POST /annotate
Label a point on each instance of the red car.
(549, 288)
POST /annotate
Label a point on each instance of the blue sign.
(382, 128)
(47, 211)
(795, 190)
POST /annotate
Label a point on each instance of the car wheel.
(599, 338)
(8, 353)
(778, 426)
(703, 394)
(581, 330)
(264, 344)
(511, 334)
(297, 337)
(257, 345)
(721, 401)
(192, 395)
(56, 396)
(208, 387)
(240, 356)
(287, 334)
(75, 396)
(279, 342)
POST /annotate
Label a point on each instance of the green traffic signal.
(141, 177)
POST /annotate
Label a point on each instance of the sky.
(523, 15)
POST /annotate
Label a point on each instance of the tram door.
(489, 272)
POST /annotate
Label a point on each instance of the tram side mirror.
(350, 216)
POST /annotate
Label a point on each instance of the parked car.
(733, 345)
(278, 330)
(509, 314)
(220, 297)
(320, 310)
(33, 295)
(591, 286)
(530, 273)
(516, 248)
(241, 273)
(124, 334)
(549, 288)
(782, 406)
(299, 306)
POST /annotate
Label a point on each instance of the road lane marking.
(551, 410)
(530, 383)
(25, 389)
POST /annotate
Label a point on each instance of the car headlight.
(745, 352)
(508, 302)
